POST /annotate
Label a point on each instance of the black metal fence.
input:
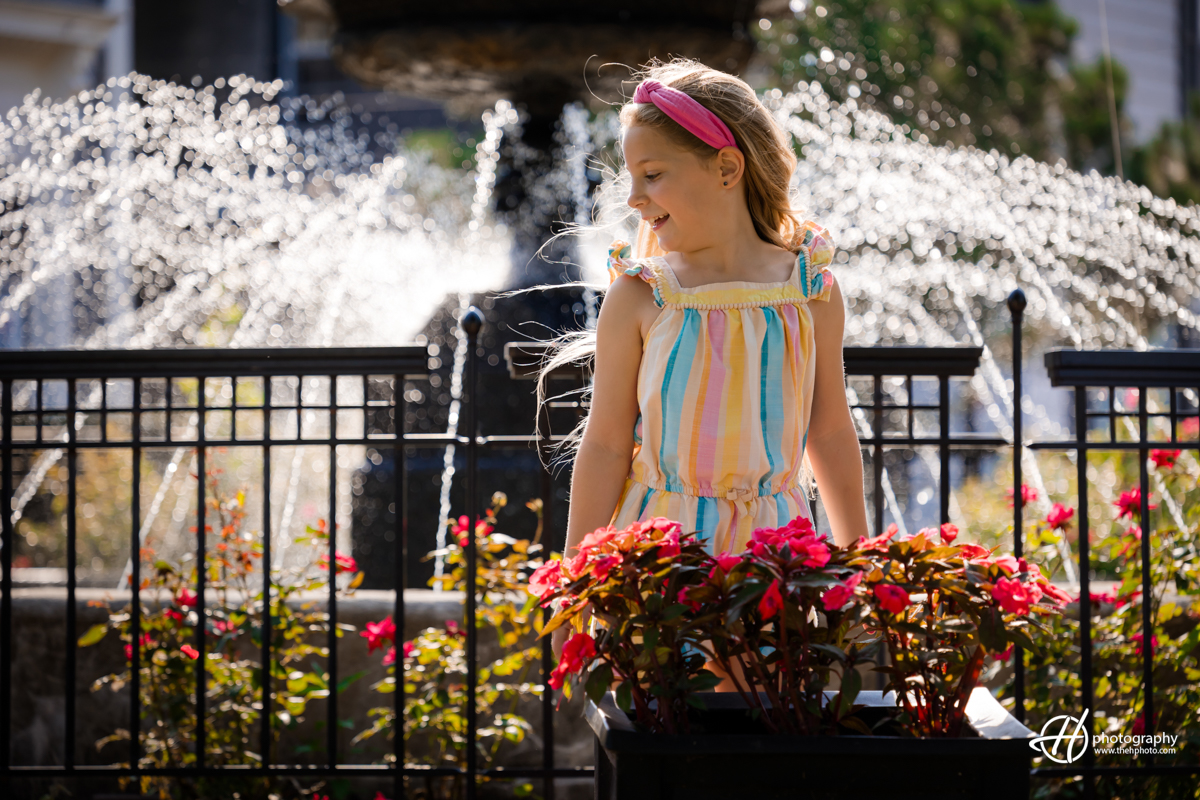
(361, 402)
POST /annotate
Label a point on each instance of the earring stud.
(726, 183)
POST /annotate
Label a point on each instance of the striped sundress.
(725, 392)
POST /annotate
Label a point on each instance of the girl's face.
(674, 185)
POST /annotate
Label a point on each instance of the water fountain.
(165, 216)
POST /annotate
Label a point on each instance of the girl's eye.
(651, 177)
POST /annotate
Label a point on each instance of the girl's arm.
(606, 449)
(832, 441)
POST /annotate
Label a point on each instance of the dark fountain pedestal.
(732, 759)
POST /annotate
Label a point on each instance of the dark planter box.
(731, 760)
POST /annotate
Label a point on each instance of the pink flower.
(1007, 563)
(1028, 494)
(1011, 595)
(949, 532)
(379, 633)
(1130, 504)
(837, 596)
(575, 566)
(379, 796)
(1139, 724)
(186, 598)
(892, 598)
(597, 538)
(145, 640)
(190, 652)
(682, 597)
(389, 657)
(1189, 428)
(975, 552)
(1003, 654)
(409, 649)
(1137, 637)
(1164, 459)
(342, 562)
(453, 630)
(605, 564)
(1059, 517)
(545, 579)
(173, 615)
(771, 602)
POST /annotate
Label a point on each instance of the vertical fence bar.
(71, 653)
(268, 630)
(1016, 306)
(472, 321)
(1085, 599)
(6, 550)
(400, 537)
(201, 573)
(877, 429)
(944, 446)
(547, 613)
(135, 583)
(1147, 531)
(331, 529)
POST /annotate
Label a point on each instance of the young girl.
(718, 348)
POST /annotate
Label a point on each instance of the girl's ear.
(731, 164)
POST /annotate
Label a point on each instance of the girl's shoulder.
(621, 261)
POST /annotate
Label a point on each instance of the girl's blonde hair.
(769, 165)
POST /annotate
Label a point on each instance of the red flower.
(577, 651)
(1012, 595)
(145, 640)
(190, 652)
(378, 633)
(342, 562)
(605, 564)
(409, 649)
(1189, 428)
(1130, 504)
(1164, 459)
(1139, 724)
(1003, 654)
(389, 657)
(186, 598)
(668, 546)
(545, 579)
(1056, 594)
(975, 552)
(453, 629)
(1137, 637)
(880, 541)
(1028, 494)
(1060, 517)
(771, 602)
(837, 596)
(949, 532)
(172, 614)
(892, 598)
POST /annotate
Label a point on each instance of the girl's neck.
(754, 262)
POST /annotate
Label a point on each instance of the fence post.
(471, 322)
(1016, 306)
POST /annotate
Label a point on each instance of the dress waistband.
(745, 494)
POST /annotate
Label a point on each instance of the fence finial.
(471, 321)
(1016, 301)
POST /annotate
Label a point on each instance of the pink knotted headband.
(682, 108)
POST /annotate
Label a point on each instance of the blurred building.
(1156, 42)
(61, 46)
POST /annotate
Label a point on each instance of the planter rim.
(999, 732)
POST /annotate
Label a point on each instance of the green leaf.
(851, 686)
(345, 682)
(598, 682)
(624, 697)
(93, 635)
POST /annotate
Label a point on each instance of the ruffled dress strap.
(815, 277)
(620, 261)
